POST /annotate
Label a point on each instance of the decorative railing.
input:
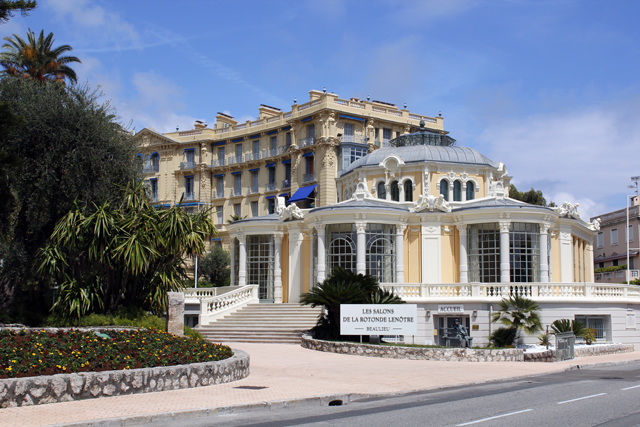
(269, 152)
(414, 292)
(217, 162)
(270, 186)
(283, 149)
(187, 165)
(190, 133)
(256, 123)
(314, 103)
(304, 106)
(286, 184)
(304, 142)
(189, 196)
(151, 168)
(205, 293)
(239, 127)
(251, 156)
(426, 119)
(308, 177)
(235, 192)
(253, 190)
(217, 194)
(223, 130)
(287, 115)
(233, 160)
(358, 139)
(273, 119)
(389, 111)
(217, 306)
(153, 198)
(619, 275)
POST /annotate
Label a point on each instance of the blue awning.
(270, 165)
(218, 176)
(270, 197)
(254, 136)
(272, 132)
(342, 116)
(216, 239)
(254, 170)
(308, 154)
(284, 195)
(306, 119)
(237, 140)
(219, 143)
(286, 128)
(236, 173)
(302, 193)
(286, 162)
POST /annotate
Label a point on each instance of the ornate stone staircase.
(263, 323)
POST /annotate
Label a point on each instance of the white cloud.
(586, 155)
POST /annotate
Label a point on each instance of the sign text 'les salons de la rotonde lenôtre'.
(378, 319)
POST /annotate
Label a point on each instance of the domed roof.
(424, 153)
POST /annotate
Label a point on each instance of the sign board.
(631, 320)
(378, 319)
(451, 308)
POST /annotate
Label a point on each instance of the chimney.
(199, 125)
(635, 201)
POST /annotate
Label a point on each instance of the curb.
(322, 400)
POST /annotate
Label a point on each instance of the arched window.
(155, 162)
(408, 191)
(457, 191)
(382, 192)
(444, 189)
(395, 191)
(341, 248)
(380, 253)
(471, 190)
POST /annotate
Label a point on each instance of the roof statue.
(569, 210)
(288, 212)
(430, 203)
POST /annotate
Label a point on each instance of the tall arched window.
(408, 191)
(381, 252)
(444, 189)
(395, 191)
(341, 248)
(382, 192)
(471, 190)
(155, 162)
(457, 191)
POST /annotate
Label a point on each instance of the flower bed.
(28, 354)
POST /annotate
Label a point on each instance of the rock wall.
(415, 353)
(582, 351)
(88, 385)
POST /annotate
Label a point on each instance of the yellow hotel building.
(379, 190)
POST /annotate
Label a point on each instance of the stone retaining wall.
(582, 351)
(415, 353)
(88, 385)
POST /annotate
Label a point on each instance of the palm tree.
(519, 313)
(37, 58)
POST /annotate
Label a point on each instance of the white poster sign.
(378, 319)
(631, 320)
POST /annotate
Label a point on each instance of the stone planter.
(88, 385)
(415, 353)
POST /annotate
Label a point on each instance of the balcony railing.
(187, 165)
(283, 149)
(286, 183)
(236, 192)
(308, 177)
(151, 168)
(304, 142)
(422, 292)
(251, 156)
(269, 153)
(153, 198)
(217, 194)
(253, 190)
(358, 139)
(271, 186)
(233, 160)
(217, 162)
(189, 196)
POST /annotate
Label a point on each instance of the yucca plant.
(565, 325)
(520, 314)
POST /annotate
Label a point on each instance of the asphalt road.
(589, 397)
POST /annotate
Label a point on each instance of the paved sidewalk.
(292, 372)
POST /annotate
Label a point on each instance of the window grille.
(444, 189)
(471, 190)
(408, 191)
(524, 252)
(380, 252)
(382, 191)
(260, 262)
(484, 253)
(341, 247)
(457, 191)
(395, 191)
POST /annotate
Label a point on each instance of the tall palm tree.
(37, 58)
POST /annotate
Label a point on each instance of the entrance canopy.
(302, 193)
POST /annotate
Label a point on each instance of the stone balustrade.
(215, 307)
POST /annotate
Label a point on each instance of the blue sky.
(550, 88)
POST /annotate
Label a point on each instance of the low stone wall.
(582, 351)
(415, 353)
(88, 385)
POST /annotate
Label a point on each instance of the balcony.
(305, 142)
(283, 149)
(271, 186)
(218, 162)
(153, 198)
(217, 194)
(269, 153)
(253, 190)
(151, 168)
(189, 196)
(251, 156)
(286, 183)
(235, 192)
(358, 139)
(308, 177)
(187, 165)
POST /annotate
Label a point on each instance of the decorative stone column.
(505, 267)
(544, 251)
(175, 313)
(566, 254)
(462, 232)
(361, 250)
(277, 269)
(463, 191)
(242, 260)
(400, 252)
(295, 264)
(232, 245)
(321, 229)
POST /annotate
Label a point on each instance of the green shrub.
(561, 326)
(589, 336)
(503, 337)
(611, 268)
(544, 339)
